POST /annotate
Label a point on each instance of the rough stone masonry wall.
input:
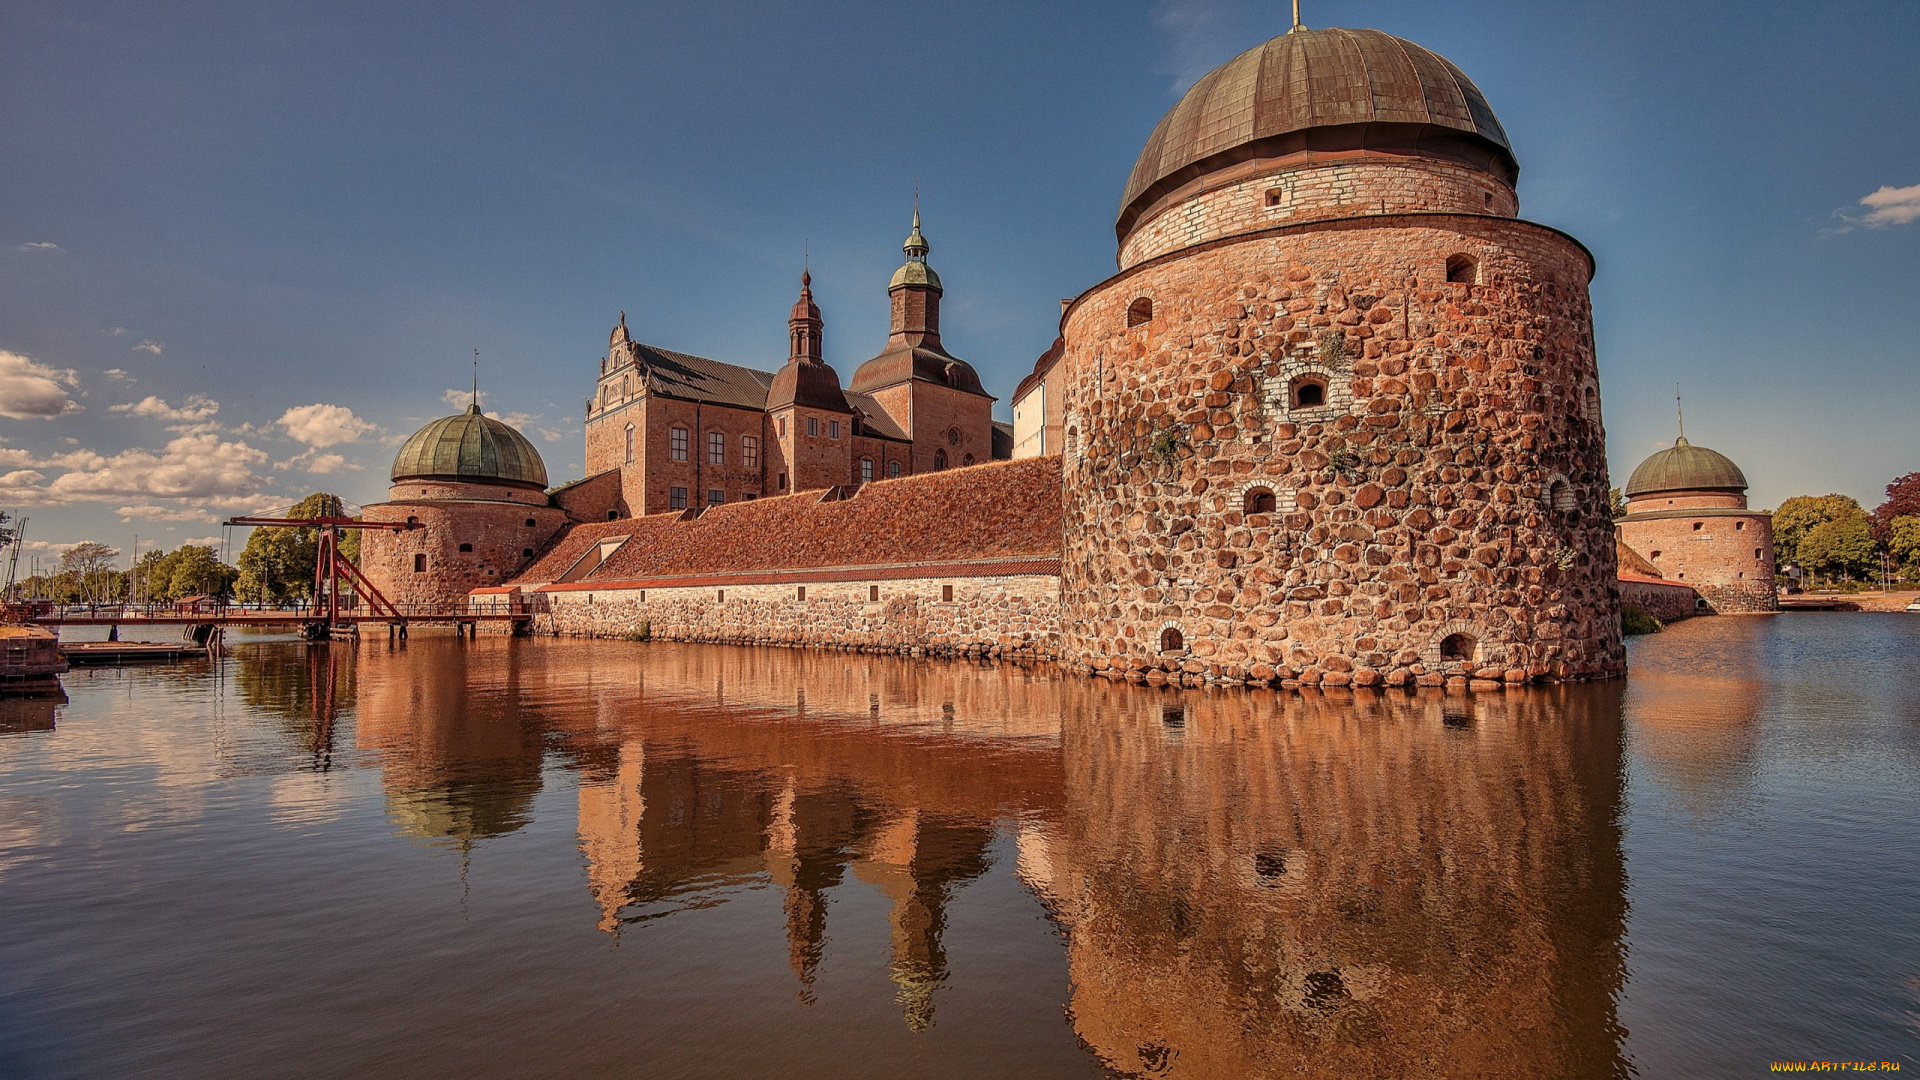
(1012, 616)
(1725, 554)
(1666, 601)
(502, 532)
(1420, 507)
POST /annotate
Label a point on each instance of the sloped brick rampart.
(1422, 492)
(1667, 601)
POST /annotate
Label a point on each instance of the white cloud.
(40, 245)
(550, 435)
(150, 512)
(213, 542)
(324, 425)
(116, 331)
(22, 486)
(460, 399)
(198, 408)
(151, 346)
(193, 466)
(29, 389)
(323, 464)
(1892, 206)
(119, 375)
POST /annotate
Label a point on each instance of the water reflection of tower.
(918, 861)
(1371, 887)
(460, 759)
(1696, 713)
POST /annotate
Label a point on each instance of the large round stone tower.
(476, 490)
(1336, 419)
(1687, 514)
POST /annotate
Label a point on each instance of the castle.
(1334, 421)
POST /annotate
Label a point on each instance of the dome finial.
(1680, 417)
(1297, 26)
(475, 407)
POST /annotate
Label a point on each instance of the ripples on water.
(538, 858)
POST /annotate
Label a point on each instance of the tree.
(1903, 500)
(1800, 515)
(198, 572)
(1903, 541)
(1841, 548)
(1616, 503)
(91, 564)
(278, 561)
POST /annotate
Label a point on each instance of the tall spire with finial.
(1680, 417)
(1297, 25)
(475, 407)
(804, 327)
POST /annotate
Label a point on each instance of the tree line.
(276, 566)
(1834, 537)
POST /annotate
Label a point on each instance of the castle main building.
(1335, 421)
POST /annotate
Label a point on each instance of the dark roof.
(470, 448)
(696, 378)
(571, 484)
(906, 362)
(997, 511)
(809, 385)
(1002, 441)
(876, 419)
(1685, 467)
(1352, 89)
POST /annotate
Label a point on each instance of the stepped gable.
(1005, 511)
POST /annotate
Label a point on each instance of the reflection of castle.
(1249, 885)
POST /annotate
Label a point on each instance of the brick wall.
(939, 411)
(1667, 601)
(451, 515)
(1283, 192)
(1420, 498)
(1712, 543)
(1010, 616)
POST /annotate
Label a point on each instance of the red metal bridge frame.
(330, 566)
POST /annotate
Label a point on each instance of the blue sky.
(246, 247)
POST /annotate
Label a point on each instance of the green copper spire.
(916, 271)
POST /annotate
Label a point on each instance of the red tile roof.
(1005, 511)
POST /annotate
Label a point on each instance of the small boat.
(1915, 606)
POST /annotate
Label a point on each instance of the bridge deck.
(276, 618)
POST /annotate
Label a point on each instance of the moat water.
(565, 859)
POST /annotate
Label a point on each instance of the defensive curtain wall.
(962, 562)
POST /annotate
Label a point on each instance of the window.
(677, 444)
(1561, 501)
(1308, 392)
(721, 595)
(783, 427)
(813, 425)
(800, 593)
(946, 594)
(1698, 525)
(466, 547)
(716, 448)
(747, 496)
(1258, 501)
(716, 497)
(626, 386)
(526, 553)
(783, 481)
(1462, 270)
(873, 592)
(833, 429)
(1140, 312)
(419, 564)
(939, 460)
(1276, 197)
(1457, 648)
(1756, 553)
(531, 523)
(613, 515)
(1172, 640)
(629, 443)
(677, 498)
(968, 460)
(643, 596)
(1654, 554)
(893, 470)
(1739, 526)
(750, 451)
(866, 470)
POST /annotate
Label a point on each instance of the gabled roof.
(877, 420)
(696, 378)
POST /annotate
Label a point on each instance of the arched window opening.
(1140, 312)
(1172, 640)
(629, 443)
(613, 515)
(1458, 648)
(968, 460)
(531, 523)
(1561, 501)
(1276, 197)
(626, 386)
(1462, 270)
(1308, 392)
(939, 460)
(1591, 405)
(1259, 501)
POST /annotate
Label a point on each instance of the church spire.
(804, 328)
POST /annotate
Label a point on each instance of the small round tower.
(1687, 515)
(477, 490)
(1336, 420)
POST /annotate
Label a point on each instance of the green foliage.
(1903, 500)
(278, 562)
(1167, 441)
(1333, 348)
(1616, 503)
(1633, 621)
(1840, 548)
(1802, 514)
(163, 577)
(1903, 542)
(90, 566)
(641, 632)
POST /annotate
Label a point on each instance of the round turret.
(470, 448)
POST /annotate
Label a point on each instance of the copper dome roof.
(1319, 90)
(1685, 467)
(470, 448)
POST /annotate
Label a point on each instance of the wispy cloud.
(116, 331)
(119, 375)
(196, 409)
(40, 245)
(1886, 206)
(31, 390)
(151, 512)
(320, 463)
(151, 346)
(460, 399)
